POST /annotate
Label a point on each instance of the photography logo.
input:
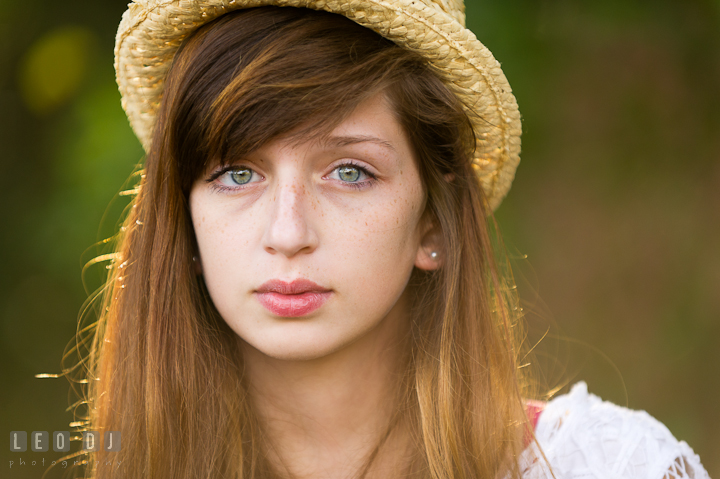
(40, 441)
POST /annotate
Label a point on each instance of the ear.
(429, 254)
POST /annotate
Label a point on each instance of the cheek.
(222, 243)
(375, 247)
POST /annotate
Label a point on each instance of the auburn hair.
(166, 371)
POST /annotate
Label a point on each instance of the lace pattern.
(584, 437)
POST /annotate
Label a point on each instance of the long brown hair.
(165, 369)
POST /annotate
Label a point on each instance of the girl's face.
(306, 248)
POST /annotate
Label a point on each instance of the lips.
(292, 299)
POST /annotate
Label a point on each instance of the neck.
(326, 417)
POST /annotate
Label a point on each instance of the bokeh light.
(54, 68)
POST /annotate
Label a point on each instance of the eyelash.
(224, 189)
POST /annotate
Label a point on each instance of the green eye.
(348, 173)
(241, 177)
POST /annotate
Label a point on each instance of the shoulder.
(584, 436)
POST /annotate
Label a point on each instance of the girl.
(307, 284)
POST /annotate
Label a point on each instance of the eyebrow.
(340, 141)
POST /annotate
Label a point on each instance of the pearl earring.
(434, 255)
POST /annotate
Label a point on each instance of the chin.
(296, 355)
(294, 345)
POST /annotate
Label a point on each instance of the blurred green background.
(616, 202)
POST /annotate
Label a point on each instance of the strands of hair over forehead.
(166, 370)
(293, 74)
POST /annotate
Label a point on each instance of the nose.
(289, 232)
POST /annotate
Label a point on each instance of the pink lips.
(290, 300)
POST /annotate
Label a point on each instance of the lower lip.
(293, 305)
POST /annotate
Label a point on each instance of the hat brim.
(151, 32)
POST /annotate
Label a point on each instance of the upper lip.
(297, 286)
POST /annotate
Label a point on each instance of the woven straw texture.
(152, 30)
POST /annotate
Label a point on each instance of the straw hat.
(152, 30)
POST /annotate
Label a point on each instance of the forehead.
(372, 122)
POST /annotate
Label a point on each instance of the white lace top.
(585, 437)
